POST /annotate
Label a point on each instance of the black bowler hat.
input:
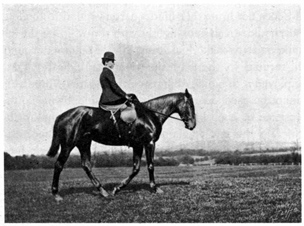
(109, 56)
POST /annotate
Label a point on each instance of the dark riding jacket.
(111, 92)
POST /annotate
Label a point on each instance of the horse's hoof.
(159, 191)
(58, 198)
(115, 191)
(104, 193)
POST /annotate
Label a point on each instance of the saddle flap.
(128, 114)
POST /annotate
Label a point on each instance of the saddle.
(127, 113)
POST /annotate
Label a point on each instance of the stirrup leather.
(115, 122)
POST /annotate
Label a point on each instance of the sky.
(241, 63)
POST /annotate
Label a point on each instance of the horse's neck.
(166, 106)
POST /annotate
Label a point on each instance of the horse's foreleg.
(61, 160)
(87, 166)
(150, 148)
(137, 154)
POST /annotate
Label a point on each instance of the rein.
(163, 114)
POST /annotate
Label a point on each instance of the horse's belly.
(107, 139)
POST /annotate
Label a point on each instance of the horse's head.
(186, 111)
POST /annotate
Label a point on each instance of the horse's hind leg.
(85, 152)
(61, 160)
(137, 154)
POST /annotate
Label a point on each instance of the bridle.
(165, 114)
(183, 119)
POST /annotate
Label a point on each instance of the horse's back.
(82, 110)
(78, 115)
(74, 112)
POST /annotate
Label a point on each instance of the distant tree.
(295, 158)
(186, 159)
(160, 162)
(73, 161)
(202, 159)
(47, 163)
(237, 152)
(113, 160)
(166, 162)
(287, 160)
(33, 162)
(9, 162)
(264, 159)
(101, 160)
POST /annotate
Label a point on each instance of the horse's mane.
(162, 101)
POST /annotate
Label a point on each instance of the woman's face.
(110, 64)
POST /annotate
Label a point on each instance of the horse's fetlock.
(54, 190)
(115, 190)
(151, 167)
(86, 167)
(153, 186)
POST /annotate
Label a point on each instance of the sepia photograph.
(151, 113)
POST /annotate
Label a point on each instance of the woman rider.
(112, 94)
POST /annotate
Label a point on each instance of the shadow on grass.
(130, 188)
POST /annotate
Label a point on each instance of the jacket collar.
(107, 67)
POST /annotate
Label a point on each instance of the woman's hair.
(104, 61)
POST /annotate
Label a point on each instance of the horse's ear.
(187, 93)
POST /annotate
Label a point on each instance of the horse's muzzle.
(190, 124)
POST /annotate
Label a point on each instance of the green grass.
(192, 194)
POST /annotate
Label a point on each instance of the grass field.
(191, 194)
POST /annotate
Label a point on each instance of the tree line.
(163, 158)
(237, 159)
(97, 160)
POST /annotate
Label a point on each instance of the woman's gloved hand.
(128, 96)
(131, 96)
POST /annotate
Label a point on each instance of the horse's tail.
(55, 141)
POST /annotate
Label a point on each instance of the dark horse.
(82, 125)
